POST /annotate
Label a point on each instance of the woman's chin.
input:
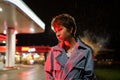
(60, 40)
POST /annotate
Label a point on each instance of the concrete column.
(10, 47)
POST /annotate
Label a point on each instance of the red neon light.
(2, 37)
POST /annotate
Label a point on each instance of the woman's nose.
(58, 34)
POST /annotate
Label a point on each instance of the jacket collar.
(79, 45)
(62, 57)
(77, 55)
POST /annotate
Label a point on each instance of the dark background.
(96, 19)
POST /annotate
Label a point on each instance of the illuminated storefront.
(27, 54)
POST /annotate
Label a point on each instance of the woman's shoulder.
(56, 47)
(83, 44)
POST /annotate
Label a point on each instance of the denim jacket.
(79, 66)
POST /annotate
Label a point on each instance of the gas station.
(16, 18)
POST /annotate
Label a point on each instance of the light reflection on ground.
(34, 72)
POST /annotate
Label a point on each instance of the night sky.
(96, 19)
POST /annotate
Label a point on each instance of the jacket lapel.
(68, 64)
(72, 61)
(62, 59)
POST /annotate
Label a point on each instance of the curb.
(17, 67)
(7, 69)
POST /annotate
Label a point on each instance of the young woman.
(70, 59)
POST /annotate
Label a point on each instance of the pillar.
(10, 47)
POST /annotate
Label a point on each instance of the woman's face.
(62, 33)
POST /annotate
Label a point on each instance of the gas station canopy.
(15, 14)
(16, 17)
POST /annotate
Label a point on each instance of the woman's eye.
(60, 29)
(57, 30)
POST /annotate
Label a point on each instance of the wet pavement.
(23, 72)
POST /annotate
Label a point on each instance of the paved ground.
(23, 72)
